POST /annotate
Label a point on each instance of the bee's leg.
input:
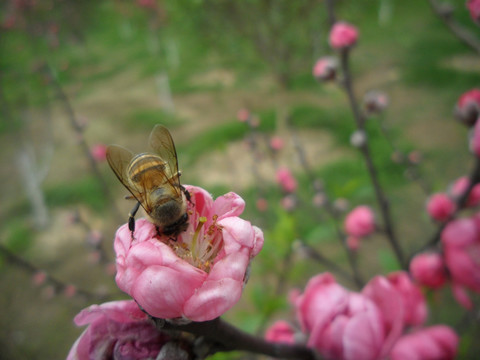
(131, 218)
(187, 194)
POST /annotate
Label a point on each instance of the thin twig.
(445, 13)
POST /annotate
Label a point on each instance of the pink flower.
(347, 325)
(468, 107)
(286, 180)
(415, 305)
(325, 68)
(117, 330)
(281, 332)
(262, 204)
(360, 221)
(243, 115)
(99, 152)
(343, 36)
(461, 246)
(431, 343)
(200, 274)
(440, 207)
(429, 269)
(276, 143)
(460, 186)
(39, 278)
(475, 139)
(474, 8)
(353, 243)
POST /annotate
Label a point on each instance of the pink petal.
(228, 205)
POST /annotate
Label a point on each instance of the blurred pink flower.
(353, 243)
(116, 330)
(468, 107)
(429, 269)
(431, 343)
(343, 35)
(347, 325)
(360, 221)
(286, 180)
(200, 274)
(39, 278)
(280, 332)
(99, 152)
(148, 4)
(289, 202)
(440, 207)
(276, 143)
(262, 204)
(460, 186)
(461, 247)
(414, 302)
(243, 115)
(415, 157)
(325, 68)
(69, 291)
(475, 139)
(474, 8)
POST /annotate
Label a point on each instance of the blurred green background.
(119, 67)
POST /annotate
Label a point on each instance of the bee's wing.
(119, 158)
(162, 143)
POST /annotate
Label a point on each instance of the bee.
(153, 180)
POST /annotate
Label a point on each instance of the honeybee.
(154, 181)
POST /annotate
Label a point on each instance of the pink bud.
(474, 8)
(360, 221)
(280, 332)
(243, 115)
(475, 139)
(343, 36)
(276, 143)
(415, 157)
(289, 202)
(468, 107)
(353, 243)
(431, 343)
(39, 278)
(325, 68)
(99, 152)
(428, 269)
(375, 102)
(440, 207)
(319, 199)
(262, 204)
(69, 291)
(460, 186)
(286, 180)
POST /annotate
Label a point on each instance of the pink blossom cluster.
(385, 319)
(474, 8)
(198, 275)
(458, 263)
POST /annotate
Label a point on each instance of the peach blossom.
(474, 8)
(431, 343)
(286, 180)
(200, 274)
(360, 221)
(116, 330)
(325, 68)
(343, 35)
(468, 107)
(440, 207)
(460, 186)
(281, 332)
(429, 269)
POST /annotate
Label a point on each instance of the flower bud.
(280, 332)
(286, 180)
(343, 36)
(440, 207)
(468, 107)
(276, 143)
(429, 269)
(375, 102)
(360, 221)
(99, 152)
(358, 138)
(325, 68)
(460, 186)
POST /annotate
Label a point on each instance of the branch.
(445, 13)
(222, 336)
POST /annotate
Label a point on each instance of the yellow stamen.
(202, 220)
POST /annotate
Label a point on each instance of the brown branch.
(222, 336)
(445, 13)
